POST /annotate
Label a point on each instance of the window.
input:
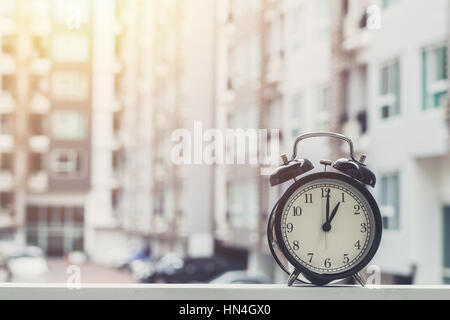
(37, 124)
(6, 200)
(71, 86)
(322, 108)
(6, 162)
(446, 245)
(9, 45)
(435, 77)
(390, 90)
(37, 161)
(70, 48)
(66, 163)
(68, 125)
(8, 83)
(58, 230)
(390, 201)
(388, 3)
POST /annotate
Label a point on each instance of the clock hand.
(327, 226)
(328, 207)
(333, 214)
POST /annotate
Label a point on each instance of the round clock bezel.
(320, 278)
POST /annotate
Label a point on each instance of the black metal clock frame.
(317, 278)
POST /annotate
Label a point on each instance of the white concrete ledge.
(219, 292)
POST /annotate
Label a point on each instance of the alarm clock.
(327, 225)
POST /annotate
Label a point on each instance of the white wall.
(412, 143)
(306, 69)
(199, 65)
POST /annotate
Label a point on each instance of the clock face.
(327, 226)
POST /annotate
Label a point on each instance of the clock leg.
(359, 279)
(294, 275)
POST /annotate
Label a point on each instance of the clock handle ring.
(324, 134)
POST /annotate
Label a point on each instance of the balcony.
(40, 103)
(38, 182)
(6, 219)
(7, 64)
(183, 292)
(39, 144)
(6, 180)
(356, 36)
(40, 66)
(7, 102)
(356, 127)
(7, 26)
(229, 27)
(6, 143)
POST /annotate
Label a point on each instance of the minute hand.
(333, 214)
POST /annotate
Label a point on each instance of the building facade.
(273, 61)
(391, 85)
(47, 165)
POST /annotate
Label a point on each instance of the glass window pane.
(68, 125)
(390, 201)
(79, 215)
(447, 238)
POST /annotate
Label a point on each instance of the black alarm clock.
(327, 226)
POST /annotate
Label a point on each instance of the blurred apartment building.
(91, 92)
(273, 61)
(181, 80)
(45, 123)
(390, 90)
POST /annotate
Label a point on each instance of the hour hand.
(333, 214)
(327, 226)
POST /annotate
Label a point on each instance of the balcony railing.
(219, 292)
(38, 182)
(7, 102)
(356, 36)
(6, 180)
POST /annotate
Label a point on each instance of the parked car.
(77, 258)
(192, 270)
(123, 258)
(241, 277)
(27, 265)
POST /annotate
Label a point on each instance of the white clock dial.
(330, 244)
